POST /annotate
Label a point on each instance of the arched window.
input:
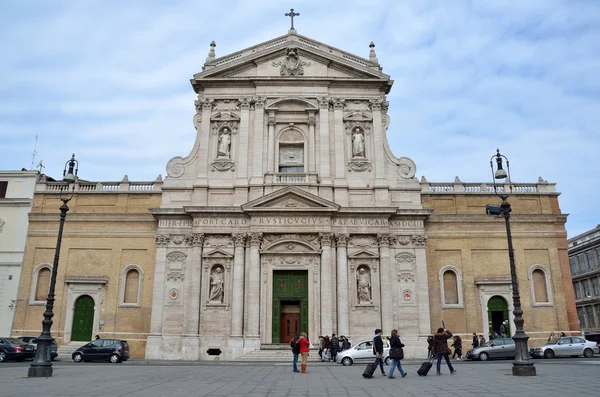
(40, 284)
(450, 278)
(540, 285)
(291, 151)
(131, 286)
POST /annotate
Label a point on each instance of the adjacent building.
(16, 200)
(584, 258)
(291, 213)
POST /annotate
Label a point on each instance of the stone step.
(275, 353)
(65, 351)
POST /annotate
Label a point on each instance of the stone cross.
(292, 14)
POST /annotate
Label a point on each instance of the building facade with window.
(584, 259)
(16, 200)
(291, 213)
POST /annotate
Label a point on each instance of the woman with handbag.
(396, 354)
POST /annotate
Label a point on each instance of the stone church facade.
(291, 213)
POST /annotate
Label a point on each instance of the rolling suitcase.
(370, 370)
(425, 367)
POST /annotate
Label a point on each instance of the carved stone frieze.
(405, 257)
(383, 240)
(350, 126)
(401, 239)
(359, 165)
(292, 65)
(175, 276)
(419, 240)
(162, 240)
(406, 277)
(296, 260)
(218, 241)
(311, 239)
(226, 105)
(362, 241)
(177, 238)
(222, 165)
(232, 125)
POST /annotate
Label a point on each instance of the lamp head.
(70, 171)
(500, 173)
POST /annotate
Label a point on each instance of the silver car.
(362, 352)
(566, 347)
(496, 348)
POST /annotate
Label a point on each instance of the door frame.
(488, 288)
(94, 287)
(93, 305)
(276, 308)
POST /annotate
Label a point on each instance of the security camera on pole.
(523, 365)
(41, 367)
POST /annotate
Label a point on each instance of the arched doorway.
(83, 319)
(498, 315)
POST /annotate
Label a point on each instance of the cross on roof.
(292, 14)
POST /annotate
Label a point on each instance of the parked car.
(15, 349)
(566, 347)
(32, 340)
(362, 352)
(113, 350)
(496, 348)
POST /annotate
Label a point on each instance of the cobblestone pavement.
(555, 378)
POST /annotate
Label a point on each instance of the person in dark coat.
(457, 345)
(334, 346)
(475, 343)
(295, 350)
(396, 343)
(378, 350)
(441, 349)
(430, 354)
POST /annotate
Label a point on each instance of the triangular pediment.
(363, 254)
(291, 199)
(291, 56)
(217, 253)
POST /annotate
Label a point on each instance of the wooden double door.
(290, 304)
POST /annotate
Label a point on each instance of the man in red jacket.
(304, 345)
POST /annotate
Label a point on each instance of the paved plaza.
(148, 379)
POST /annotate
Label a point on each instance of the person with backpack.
(441, 349)
(304, 347)
(295, 350)
(334, 346)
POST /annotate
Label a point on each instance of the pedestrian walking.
(304, 347)
(503, 330)
(481, 341)
(475, 343)
(457, 345)
(396, 354)
(325, 347)
(378, 350)
(321, 346)
(440, 348)
(430, 354)
(295, 350)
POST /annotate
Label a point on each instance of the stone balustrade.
(124, 186)
(542, 186)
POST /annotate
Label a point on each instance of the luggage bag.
(370, 370)
(425, 367)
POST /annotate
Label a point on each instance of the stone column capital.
(325, 239)
(338, 103)
(244, 103)
(419, 240)
(312, 120)
(376, 104)
(271, 121)
(239, 239)
(195, 239)
(383, 240)
(341, 239)
(256, 238)
(162, 240)
(259, 102)
(324, 102)
(207, 103)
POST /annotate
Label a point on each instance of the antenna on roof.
(34, 153)
(40, 166)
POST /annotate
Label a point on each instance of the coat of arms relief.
(292, 65)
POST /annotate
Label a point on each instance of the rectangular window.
(596, 286)
(587, 293)
(591, 320)
(598, 257)
(573, 262)
(590, 259)
(3, 188)
(581, 260)
(581, 317)
(576, 287)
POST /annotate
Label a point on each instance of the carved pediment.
(363, 254)
(217, 253)
(291, 199)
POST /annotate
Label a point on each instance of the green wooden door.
(83, 319)
(497, 314)
(290, 287)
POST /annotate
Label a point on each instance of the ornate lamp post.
(523, 365)
(42, 364)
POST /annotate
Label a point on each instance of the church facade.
(291, 214)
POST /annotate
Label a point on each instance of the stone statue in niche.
(216, 285)
(358, 143)
(224, 149)
(363, 279)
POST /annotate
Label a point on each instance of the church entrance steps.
(65, 351)
(275, 352)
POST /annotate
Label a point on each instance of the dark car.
(32, 340)
(15, 349)
(113, 350)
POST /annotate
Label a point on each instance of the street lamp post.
(42, 364)
(523, 365)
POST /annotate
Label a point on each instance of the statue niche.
(216, 291)
(224, 144)
(363, 285)
(358, 144)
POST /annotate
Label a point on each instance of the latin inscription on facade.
(289, 221)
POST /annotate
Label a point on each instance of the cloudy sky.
(109, 81)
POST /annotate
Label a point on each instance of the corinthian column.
(196, 240)
(343, 311)
(323, 155)
(242, 155)
(326, 285)
(237, 298)
(340, 155)
(271, 142)
(376, 107)
(385, 282)
(258, 134)
(253, 286)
